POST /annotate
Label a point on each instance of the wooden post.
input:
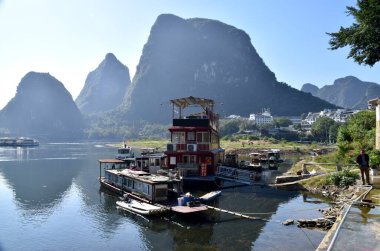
(100, 170)
(377, 125)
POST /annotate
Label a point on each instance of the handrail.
(344, 216)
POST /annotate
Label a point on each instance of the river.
(50, 199)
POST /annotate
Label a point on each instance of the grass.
(315, 182)
(241, 144)
(226, 144)
(154, 143)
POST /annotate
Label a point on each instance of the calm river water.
(50, 199)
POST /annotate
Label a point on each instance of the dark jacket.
(359, 160)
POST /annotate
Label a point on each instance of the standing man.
(363, 162)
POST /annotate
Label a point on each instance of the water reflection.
(52, 198)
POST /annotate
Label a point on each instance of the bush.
(342, 179)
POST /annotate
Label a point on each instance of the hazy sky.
(70, 38)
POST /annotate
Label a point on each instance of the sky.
(70, 38)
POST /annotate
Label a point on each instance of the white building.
(339, 115)
(263, 118)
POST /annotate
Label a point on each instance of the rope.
(276, 212)
(308, 238)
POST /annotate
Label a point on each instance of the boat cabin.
(151, 187)
(124, 152)
(149, 163)
(194, 147)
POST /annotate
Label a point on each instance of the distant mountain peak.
(105, 87)
(348, 92)
(208, 58)
(42, 105)
(310, 88)
(110, 56)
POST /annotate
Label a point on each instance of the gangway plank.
(237, 175)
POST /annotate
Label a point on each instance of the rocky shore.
(339, 198)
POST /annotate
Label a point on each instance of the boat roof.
(144, 176)
(188, 210)
(112, 161)
(185, 102)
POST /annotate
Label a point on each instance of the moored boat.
(210, 196)
(124, 152)
(19, 142)
(141, 207)
(148, 187)
(255, 163)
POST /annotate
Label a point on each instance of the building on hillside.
(263, 118)
(339, 115)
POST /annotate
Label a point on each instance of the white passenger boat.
(124, 152)
(141, 207)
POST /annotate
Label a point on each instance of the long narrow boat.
(19, 142)
(210, 196)
(141, 207)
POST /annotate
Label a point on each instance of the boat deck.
(188, 210)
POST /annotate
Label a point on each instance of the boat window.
(154, 162)
(161, 193)
(203, 137)
(146, 189)
(123, 151)
(189, 159)
(173, 160)
(178, 137)
(191, 136)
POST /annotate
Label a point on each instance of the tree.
(358, 133)
(320, 130)
(282, 122)
(362, 129)
(229, 126)
(363, 36)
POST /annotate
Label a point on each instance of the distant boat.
(255, 163)
(141, 207)
(124, 152)
(18, 142)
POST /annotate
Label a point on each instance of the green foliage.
(342, 179)
(363, 36)
(282, 122)
(231, 126)
(324, 130)
(374, 158)
(107, 127)
(358, 133)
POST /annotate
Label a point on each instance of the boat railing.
(188, 169)
(235, 174)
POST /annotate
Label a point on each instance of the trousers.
(364, 171)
